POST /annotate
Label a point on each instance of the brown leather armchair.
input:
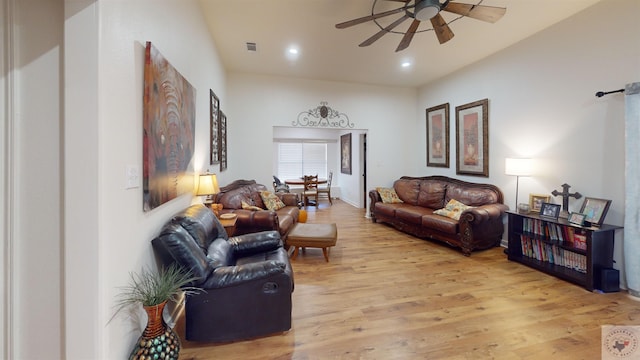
(247, 280)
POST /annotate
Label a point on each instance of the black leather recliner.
(247, 279)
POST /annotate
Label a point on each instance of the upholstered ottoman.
(305, 235)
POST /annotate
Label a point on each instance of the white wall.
(257, 103)
(542, 105)
(31, 211)
(107, 39)
(5, 175)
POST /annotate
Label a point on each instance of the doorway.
(363, 142)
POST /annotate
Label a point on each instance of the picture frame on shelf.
(472, 138)
(549, 210)
(345, 154)
(536, 201)
(595, 210)
(438, 136)
(576, 218)
(214, 131)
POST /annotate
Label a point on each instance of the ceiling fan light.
(426, 9)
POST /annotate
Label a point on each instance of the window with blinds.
(296, 159)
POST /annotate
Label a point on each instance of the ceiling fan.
(423, 10)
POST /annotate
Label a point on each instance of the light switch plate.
(132, 177)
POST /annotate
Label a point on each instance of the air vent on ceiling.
(251, 46)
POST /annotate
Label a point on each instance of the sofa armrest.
(375, 197)
(479, 214)
(289, 199)
(253, 243)
(481, 227)
(226, 276)
(260, 220)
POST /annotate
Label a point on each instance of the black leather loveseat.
(247, 279)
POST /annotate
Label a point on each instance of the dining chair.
(326, 190)
(279, 186)
(310, 189)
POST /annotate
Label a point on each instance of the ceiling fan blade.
(443, 32)
(357, 21)
(380, 33)
(406, 39)
(479, 12)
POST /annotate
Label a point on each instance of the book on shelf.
(553, 232)
(580, 241)
(551, 253)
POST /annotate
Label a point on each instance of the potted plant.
(153, 290)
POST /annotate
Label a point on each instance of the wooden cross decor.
(565, 198)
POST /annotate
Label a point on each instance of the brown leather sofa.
(479, 227)
(249, 221)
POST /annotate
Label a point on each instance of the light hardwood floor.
(388, 295)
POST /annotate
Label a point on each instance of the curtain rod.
(603, 93)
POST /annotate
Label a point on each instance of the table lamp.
(517, 167)
(208, 186)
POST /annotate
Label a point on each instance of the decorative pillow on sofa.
(271, 201)
(453, 209)
(388, 195)
(250, 207)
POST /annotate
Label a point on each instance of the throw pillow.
(271, 201)
(388, 195)
(453, 209)
(250, 207)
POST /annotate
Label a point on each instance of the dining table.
(300, 181)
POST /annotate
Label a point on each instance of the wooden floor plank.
(388, 295)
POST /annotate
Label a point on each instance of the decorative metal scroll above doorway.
(325, 117)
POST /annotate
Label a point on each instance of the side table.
(229, 225)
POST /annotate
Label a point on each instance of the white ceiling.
(328, 53)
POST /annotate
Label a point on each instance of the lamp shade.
(518, 167)
(208, 185)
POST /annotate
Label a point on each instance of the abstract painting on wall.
(169, 115)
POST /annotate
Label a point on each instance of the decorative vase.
(302, 216)
(158, 341)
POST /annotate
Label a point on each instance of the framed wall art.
(595, 210)
(169, 107)
(536, 201)
(223, 142)
(345, 154)
(438, 136)
(214, 136)
(472, 138)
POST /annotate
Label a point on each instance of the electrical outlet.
(132, 177)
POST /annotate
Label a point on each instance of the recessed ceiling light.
(405, 64)
(292, 53)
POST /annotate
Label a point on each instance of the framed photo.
(438, 136)
(223, 141)
(576, 218)
(472, 138)
(214, 134)
(550, 210)
(536, 201)
(345, 154)
(595, 210)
